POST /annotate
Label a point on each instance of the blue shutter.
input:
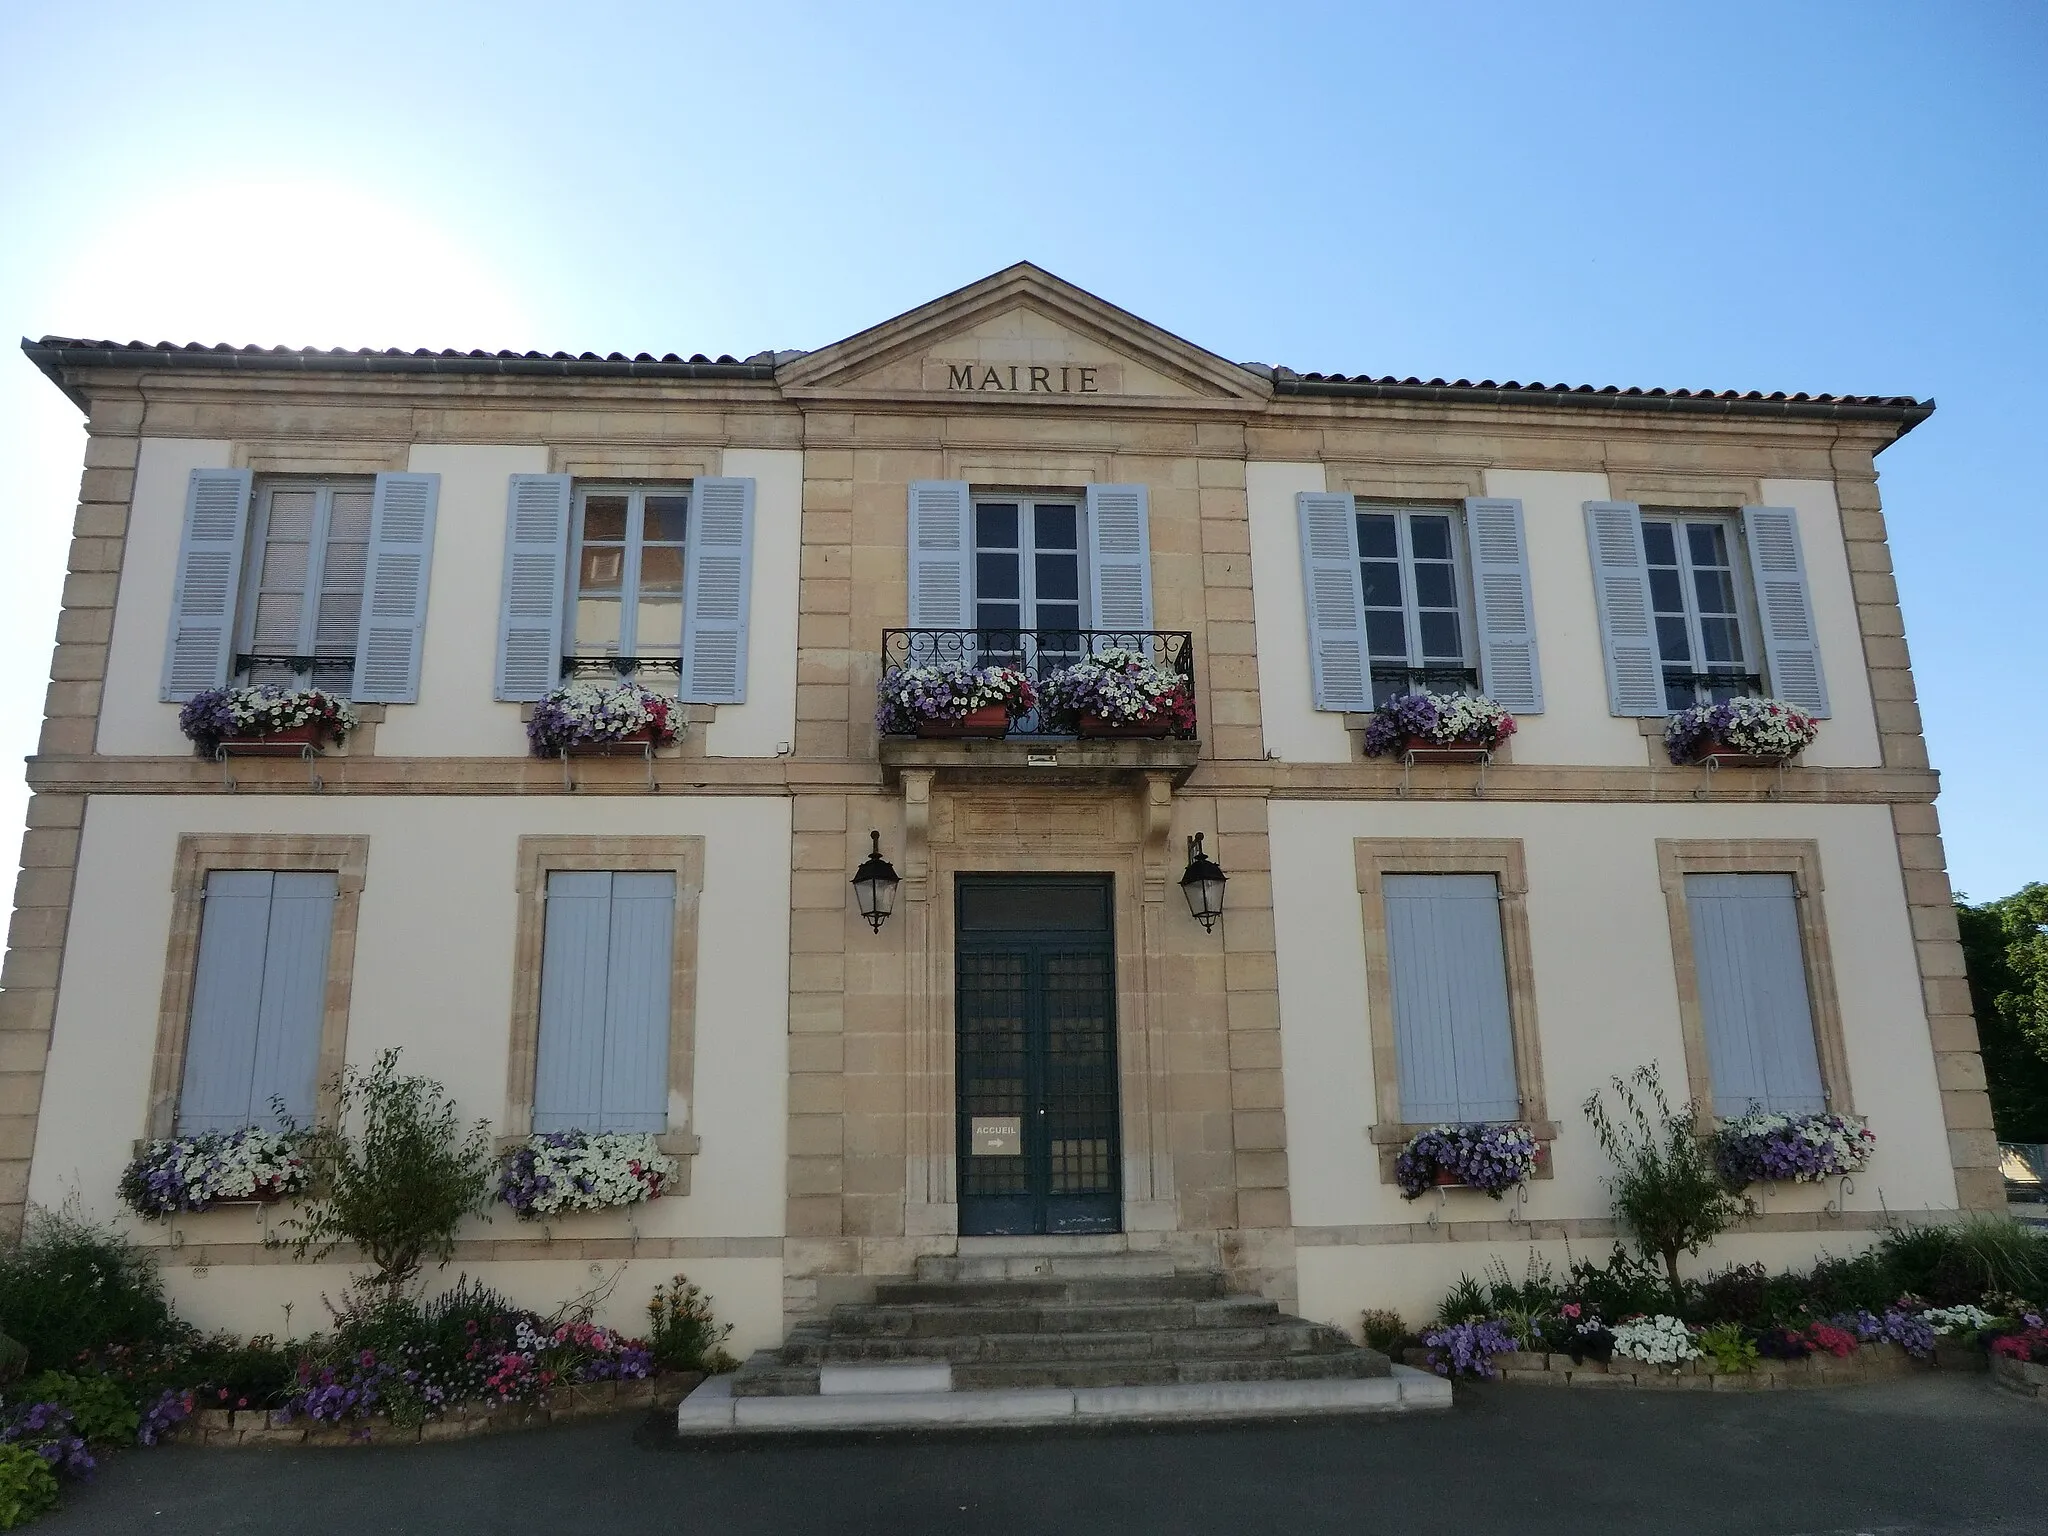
(1509, 672)
(635, 1072)
(718, 568)
(227, 1001)
(530, 601)
(1621, 586)
(1753, 1000)
(287, 1055)
(1120, 557)
(201, 646)
(1791, 643)
(1337, 652)
(401, 558)
(1452, 1036)
(575, 958)
(941, 544)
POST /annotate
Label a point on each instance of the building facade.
(1040, 1042)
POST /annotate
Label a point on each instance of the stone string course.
(1872, 1362)
(226, 1429)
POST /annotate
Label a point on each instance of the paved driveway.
(1949, 1454)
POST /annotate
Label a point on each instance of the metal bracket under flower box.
(1483, 756)
(643, 748)
(1712, 762)
(283, 744)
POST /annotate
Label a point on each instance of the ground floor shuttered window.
(258, 998)
(1454, 1039)
(1754, 1006)
(607, 956)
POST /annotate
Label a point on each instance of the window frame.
(198, 856)
(1799, 858)
(262, 492)
(540, 856)
(1752, 675)
(1026, 550)
(632, 550)
(1417, 673)
(1503, 858)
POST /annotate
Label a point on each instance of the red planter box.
(989, 720)
(1095, 725)
(635, 745)
(292, 741)
(1728, 757)
(1423, 750)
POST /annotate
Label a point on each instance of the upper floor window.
(1028, 575)
(1700, 599)
(302, 604)
(1418, 629)
(625, 610)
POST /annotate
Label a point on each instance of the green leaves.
(1664, 1189)
(2005, 948)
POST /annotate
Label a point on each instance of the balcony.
(1037, 748)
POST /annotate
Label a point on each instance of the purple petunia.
(1493, 1158)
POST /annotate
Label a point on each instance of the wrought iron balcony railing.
(1039, 653)
(621, 666)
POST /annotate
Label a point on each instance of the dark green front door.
(1035, 1003)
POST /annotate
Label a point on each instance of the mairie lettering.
(1024, 378)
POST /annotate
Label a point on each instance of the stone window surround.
(199, 854)
(1501, 857)
(1799, 858)
(540, 856)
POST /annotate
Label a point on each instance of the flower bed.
(1492, 1158)
(1803, 1148)
(224, 716)
(1768, 730)
(1437, 721)
(1118, 691)
(193, 1173)
(928, 700)
(582, 1171)
(584, 715)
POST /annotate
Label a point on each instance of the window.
(1417, 619)
(1450, 991)
(1755, 983)
(1027, 572)
(303, 594)
(1700, 601)
(256, 980)
(626, 583)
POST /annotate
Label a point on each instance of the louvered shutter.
(1509, 672)
(395, 589)
(1452, 1037)
(568, 1089)
(1783, 599)
(718, 566)
(1753, 999)
(287, 1055)
(200, 649)
(1336, 608)
(1120, 557)
(1621, 586)
(227, 1003)
(530, 601)
(634, 1093)
(941, 545)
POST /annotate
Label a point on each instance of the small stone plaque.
(997, 1135)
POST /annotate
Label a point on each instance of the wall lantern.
(875, 882)
(1203, 885)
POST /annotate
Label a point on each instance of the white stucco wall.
(1848, 739)
(1606, 1001)
(434, 976)
(765, 726)
(1296, 731)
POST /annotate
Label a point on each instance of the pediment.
(1022, 334)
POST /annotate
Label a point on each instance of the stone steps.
(1145, 1372)
(1052, 1290)
(937, 1320)
(1003, 1348)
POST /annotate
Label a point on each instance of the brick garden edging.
(2021, 1376)
(250, 1427)
(1872, 1362)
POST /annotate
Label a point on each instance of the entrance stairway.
(1025, 1321)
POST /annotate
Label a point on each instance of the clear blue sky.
(1824, 197)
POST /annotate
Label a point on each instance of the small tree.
(1665, 1190)
(393, 1175)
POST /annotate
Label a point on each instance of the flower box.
(198, 1173)
(1438, 728)
(292, 741)
(1096, 725)
(1489, 1158)
(265, 721)
(585, 719)
(1719, 756)
(1119, 692)
(1739, 733)
(989, 720)
(555, 1171)
(1764, 1147)
(634, 744)
(1420, 749)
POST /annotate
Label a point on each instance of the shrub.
(100, 1407)
(69, 1287)
(224, 1372)
(393, 1176)
(28, 1487)
(1664, 1188)
(1622, 1287)
(1382, 1330)
(682, 1332)
(1731, 1347)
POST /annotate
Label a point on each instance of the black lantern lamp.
(1203, 885)
(874, 886)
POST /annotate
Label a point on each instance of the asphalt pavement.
(1948, 1454)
